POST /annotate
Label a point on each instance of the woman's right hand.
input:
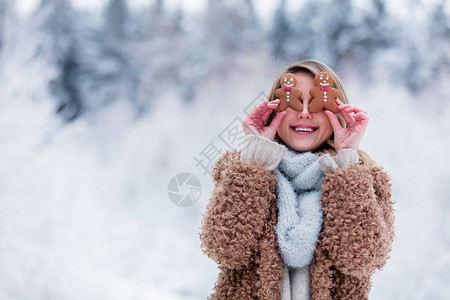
(254, 123)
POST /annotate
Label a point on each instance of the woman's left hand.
(356, 120)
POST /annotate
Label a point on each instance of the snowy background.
(103, 103)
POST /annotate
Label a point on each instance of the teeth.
(304, 129)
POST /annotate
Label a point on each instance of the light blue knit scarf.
(300, 216)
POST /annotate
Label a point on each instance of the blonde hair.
(314, 67)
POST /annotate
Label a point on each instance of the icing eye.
(284, 78)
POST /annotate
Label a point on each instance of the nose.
(304, 114)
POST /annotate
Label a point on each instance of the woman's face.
(313, 129)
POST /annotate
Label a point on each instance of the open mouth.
(304, 129)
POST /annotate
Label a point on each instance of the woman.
(300, 212)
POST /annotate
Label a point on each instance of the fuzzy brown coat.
(238, 231)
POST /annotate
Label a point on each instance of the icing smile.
(323, 84)
(289, 85)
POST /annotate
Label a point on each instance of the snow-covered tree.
(116, 17)
(252, 15)
(313, 31)
(152, 53)
(2, 19)
(336, 24)
(226, 27)
(439, 43)
(281, 34)
(111, 46)
(425, 44)
(57, 20)
(307, 38)
(335, 38)
(373, 31)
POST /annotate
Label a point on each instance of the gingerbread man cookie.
(288, 94)
(323, 95)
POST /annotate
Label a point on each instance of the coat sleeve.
(358, 226)
(237, 210)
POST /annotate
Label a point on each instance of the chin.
(303, 143)
(303, 147)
